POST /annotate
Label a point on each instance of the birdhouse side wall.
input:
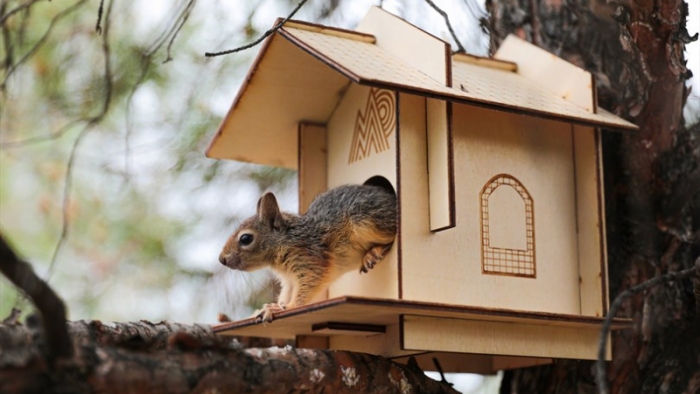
(362, 142)
(592, 250)
(515, 213)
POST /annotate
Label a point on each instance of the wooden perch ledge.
(48, 355)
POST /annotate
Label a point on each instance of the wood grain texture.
(426, 53)
(572, 83)
(440, 165)
(592, 256)
(439, 334)
(354, 117)
(313, 159)
(268, 89)
(321, 63)
(486, 143)
(378, 311)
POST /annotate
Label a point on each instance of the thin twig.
(98, 27)
(43, 138)
(67, 182)
(184, 16)
(17, 9)
(145, 66)
(476, 14)
(601, 376)
(460, 48)
(436, 362)
(264, 36)
(71, 159)
(42, 40)
(163, 37)
(7, 41)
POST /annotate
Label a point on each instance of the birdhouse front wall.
(362, 141)
(515, 243)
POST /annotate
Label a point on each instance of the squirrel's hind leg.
(374, 255)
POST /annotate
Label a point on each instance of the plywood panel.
(301, 73)
(374, 311)
(362, 144)
(269, 106)
(313, 159)
(413, 46)
(329, 30)
(369, 64)
(438, 334)
(591, 227)
(440, 174)
(487, 143)
(486, 62)
(558, 76)
(385, 345)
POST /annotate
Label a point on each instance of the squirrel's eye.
(245, 239)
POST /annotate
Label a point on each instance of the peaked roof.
(303, 70)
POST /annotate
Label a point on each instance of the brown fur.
(347, 228)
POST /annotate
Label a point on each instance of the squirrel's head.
(255, 241)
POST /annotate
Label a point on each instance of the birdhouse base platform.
(463, 338)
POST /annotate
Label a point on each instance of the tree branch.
(52, 309)
(43, 138)
(173, 358)
(65, 205)
(41, 40)
(264, 36)
(601, 375)
(179, 24)
(98, 26)
(68, 180)
(460, 48)
(17, 9)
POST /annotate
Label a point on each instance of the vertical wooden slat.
(590, 226)
(440, 165)
(312, 159)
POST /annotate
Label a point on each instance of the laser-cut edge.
(485, 238)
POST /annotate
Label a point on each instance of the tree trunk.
(652, 179)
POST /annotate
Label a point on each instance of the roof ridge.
(329, 30)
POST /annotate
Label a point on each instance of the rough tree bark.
(144, 357)
(48, 355)
(652, 181)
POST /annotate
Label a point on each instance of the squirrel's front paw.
(373, 256)
(264, 315)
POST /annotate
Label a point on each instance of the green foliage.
(147, 212)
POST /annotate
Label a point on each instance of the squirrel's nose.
(222, 259)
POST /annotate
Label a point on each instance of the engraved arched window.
(507, 228)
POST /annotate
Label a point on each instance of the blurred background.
(148, 213)
(119, 121)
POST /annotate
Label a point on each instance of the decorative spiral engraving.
(373, 127)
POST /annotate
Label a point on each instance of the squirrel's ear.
(269, 211)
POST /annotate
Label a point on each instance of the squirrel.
(346, 228)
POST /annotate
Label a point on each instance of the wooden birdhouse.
(500, 256)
